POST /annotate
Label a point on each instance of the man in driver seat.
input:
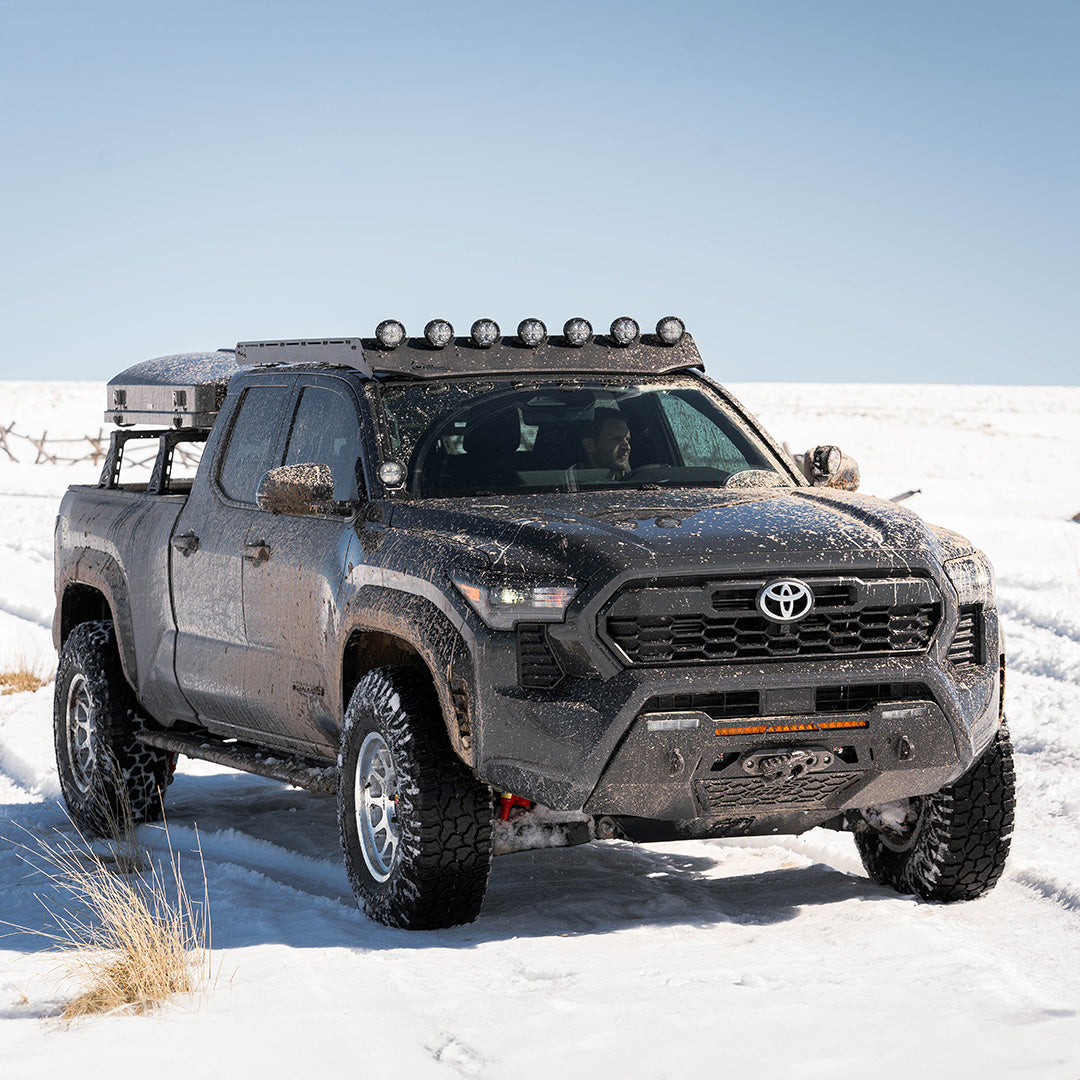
(605, 445)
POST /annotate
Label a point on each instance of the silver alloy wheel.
(376, 798)
(897, 823)
(80, 733)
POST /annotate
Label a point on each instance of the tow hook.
(781, 766)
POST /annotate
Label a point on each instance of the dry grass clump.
(20, 681)
(131, 934)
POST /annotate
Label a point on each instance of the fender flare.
(92, 569)
(443, 646)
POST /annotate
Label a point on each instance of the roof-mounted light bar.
(439, 333)
(389, 334)
(670, 330)
(625, 331)
(577, 332)
(485, 333)
(532, 332)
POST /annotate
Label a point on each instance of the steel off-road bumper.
(672, 744)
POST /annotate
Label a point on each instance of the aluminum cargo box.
(183, 390)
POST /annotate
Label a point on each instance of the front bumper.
(915, 723)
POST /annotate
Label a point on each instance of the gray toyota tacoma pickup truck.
(455, 580)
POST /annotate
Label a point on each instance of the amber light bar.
(777, 729)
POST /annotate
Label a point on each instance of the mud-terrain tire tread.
(128, 780)
(963, 835)
(445, 813)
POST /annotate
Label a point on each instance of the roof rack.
(511, 356)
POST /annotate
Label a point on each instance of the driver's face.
(611, 448)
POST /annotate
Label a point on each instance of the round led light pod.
(392, 473)
(485, 333)
(532, 332)
(625, 331)
(577, 332)
(389, 333)
(439, 333)
(670, 330)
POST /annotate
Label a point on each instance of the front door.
(293, 588)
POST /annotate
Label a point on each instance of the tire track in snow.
(30, 613)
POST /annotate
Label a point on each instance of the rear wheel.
(109, 781)
(951, 845)
(415, 823)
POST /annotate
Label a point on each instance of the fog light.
(439, 333)
(670, 330)
(577, 332)
(532, 332)
(625, 331)
(485, 333)
(390, 333)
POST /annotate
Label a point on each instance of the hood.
(578, 534)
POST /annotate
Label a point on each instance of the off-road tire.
(957, 843)
(434, 873)
(109, 781)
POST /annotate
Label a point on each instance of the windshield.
(483, 437)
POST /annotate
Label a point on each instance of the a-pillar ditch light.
(532, 332)
(438, 333)
(485, 333)
(625, 331)
(389, 333)
(577, 332)
(670, 330)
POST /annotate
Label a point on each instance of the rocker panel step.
(309, 773)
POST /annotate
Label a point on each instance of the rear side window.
(252, 441)
(326, 430)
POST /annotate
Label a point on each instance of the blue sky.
(824, 190)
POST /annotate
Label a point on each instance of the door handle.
(258, 552)
(186, 544)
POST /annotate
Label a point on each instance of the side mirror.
(307, 488)
(829, 466)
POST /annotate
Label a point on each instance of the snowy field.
(756, 957)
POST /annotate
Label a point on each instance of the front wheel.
(110, 781)
(951, 845)
(415, 823)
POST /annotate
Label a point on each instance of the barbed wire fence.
(95, 448)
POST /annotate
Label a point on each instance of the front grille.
(814, 790)
(703, 622)
(966, 648)
(677, 639)
(537, 667)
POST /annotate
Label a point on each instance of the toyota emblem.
(785, 601)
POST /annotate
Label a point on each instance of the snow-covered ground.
(758, 957)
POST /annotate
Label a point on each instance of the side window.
(326, 430)
(252, 441)
(701, 441)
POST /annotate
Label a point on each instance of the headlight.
(501, 604)
(973, 577)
